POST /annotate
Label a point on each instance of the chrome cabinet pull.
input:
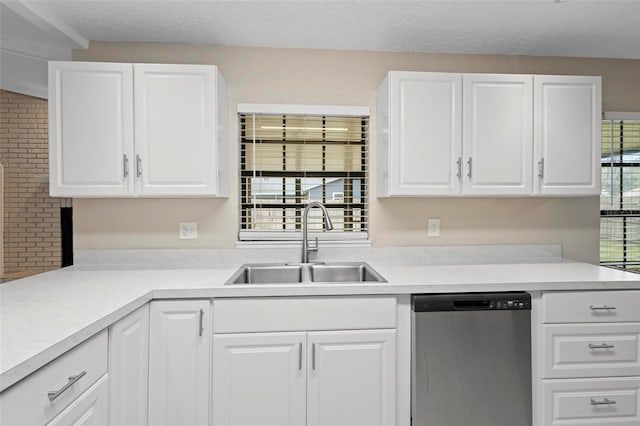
(605, 401)
(541, 168)
(201, 322)
(299, 356)
(602, 346)
(313, 356)
(470, 167)
(138, 166)
(126, 166)
(602, 308)
(459, 163)
(72, 379)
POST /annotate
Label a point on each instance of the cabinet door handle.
(299, 356)
(541, 168)
(459, 163)
(313, 356)
(602, 346)
(470, 167)
(605, 401)
(602, 308)
(72, 379)
(138, 166)
(201, 322)
(126, 165)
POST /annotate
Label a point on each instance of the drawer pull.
(602, 346)
(605, 401)
(602, 308)
(72, 379)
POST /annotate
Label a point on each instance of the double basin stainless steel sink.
(305, 273)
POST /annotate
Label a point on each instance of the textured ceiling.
(582, 28)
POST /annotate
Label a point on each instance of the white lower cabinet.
(179, 362)
(61, 389)
(351, 378)
(90, 409)
(589, 352)
(595, 401)
(301, 374)
(129, 368)
(259, 379)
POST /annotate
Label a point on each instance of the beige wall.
(295, 76)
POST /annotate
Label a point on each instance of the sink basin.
(344, 273)
(305, 273)
(267, 274)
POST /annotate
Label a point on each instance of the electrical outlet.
(433, 227)
(188, 230)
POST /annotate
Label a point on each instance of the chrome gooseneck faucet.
(328, 225)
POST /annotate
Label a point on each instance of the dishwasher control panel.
(511, 300)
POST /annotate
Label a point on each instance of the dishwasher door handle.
(475, 305)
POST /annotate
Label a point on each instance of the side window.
(620, 196)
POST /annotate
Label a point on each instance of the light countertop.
(45, 315)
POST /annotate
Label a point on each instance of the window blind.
(620, 196)
(286, 161)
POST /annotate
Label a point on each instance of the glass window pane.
(287, 161)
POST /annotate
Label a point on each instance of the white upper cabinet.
(419, 118)
(497, 134)
(148, 130)
(444, 134)
(176, 128)
(568, 111)
(90, 129)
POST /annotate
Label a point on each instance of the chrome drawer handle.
(602, 308)
(72, 379)
(605, 401)
(602, 346)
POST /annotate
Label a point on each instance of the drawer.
(27, 402)
(593, 402)
(254, 315)
(591, 350)
(591, 306)
(92, 407)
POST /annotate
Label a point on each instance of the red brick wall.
(31, 217)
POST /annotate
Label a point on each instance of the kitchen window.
(620, 196)
(288, 159)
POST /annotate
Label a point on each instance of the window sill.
(296, 244)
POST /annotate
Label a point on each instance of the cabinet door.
(175, 129)
(497, 134)
(90, 409)
(425, 123)
(259, 379)
(567, 122)
(129, 368)
(179, 360)
(90, 129)
(351, 378)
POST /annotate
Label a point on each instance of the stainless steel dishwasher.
(471, 359)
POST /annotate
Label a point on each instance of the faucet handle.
(314, 247)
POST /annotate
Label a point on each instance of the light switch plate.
(433, 227)
(188, 230)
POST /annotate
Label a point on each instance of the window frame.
(253, 238)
